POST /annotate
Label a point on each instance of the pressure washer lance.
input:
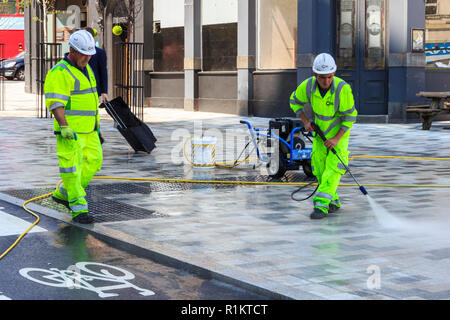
(322, 136)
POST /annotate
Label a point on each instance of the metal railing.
(49, 55)
(129, 76)
(2, 83)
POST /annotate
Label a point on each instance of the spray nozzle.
(363, 190)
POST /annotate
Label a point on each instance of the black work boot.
(84, 218)
(333, 208)
(317, 214)
(61, 201)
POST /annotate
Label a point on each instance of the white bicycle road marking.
(80, 276)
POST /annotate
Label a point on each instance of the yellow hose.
(24, 206)
(270, 183)
(237, 182)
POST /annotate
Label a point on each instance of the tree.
(127, 9)
(48, 7)
(100, 5)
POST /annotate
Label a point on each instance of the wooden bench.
(426, 114)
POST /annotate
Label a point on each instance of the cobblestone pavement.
(395, 246)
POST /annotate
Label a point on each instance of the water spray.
(322, 136)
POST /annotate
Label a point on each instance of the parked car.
(14, 67)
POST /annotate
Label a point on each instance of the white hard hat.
(324, 64)
(83, 42)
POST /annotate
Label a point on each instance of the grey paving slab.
(256, 235)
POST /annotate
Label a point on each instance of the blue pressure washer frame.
(297, 155)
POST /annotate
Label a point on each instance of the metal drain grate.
(101, 203)
(106, 200)
(288, 177)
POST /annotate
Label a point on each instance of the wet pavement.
(58, 261)
(256, 236)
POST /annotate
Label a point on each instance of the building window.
(168, 35)
(168, 49)
(346, 34)
(277, 34)
(374, 58)
(66, 21)
(8, 7)
(219, 47)
(431, 9)
(219, 35)
(437, 34)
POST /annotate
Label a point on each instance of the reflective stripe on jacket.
(336, 110)
(68, 87)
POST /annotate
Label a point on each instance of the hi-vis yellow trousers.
(328, 170)
(79, 161)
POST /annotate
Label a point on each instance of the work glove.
(68, 133)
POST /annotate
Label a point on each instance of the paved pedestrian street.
(395, 246)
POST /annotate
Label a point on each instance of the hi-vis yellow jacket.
(66, 86)
(336, 110)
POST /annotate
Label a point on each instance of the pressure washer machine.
(288, 148)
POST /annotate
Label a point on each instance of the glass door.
(361, 53)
